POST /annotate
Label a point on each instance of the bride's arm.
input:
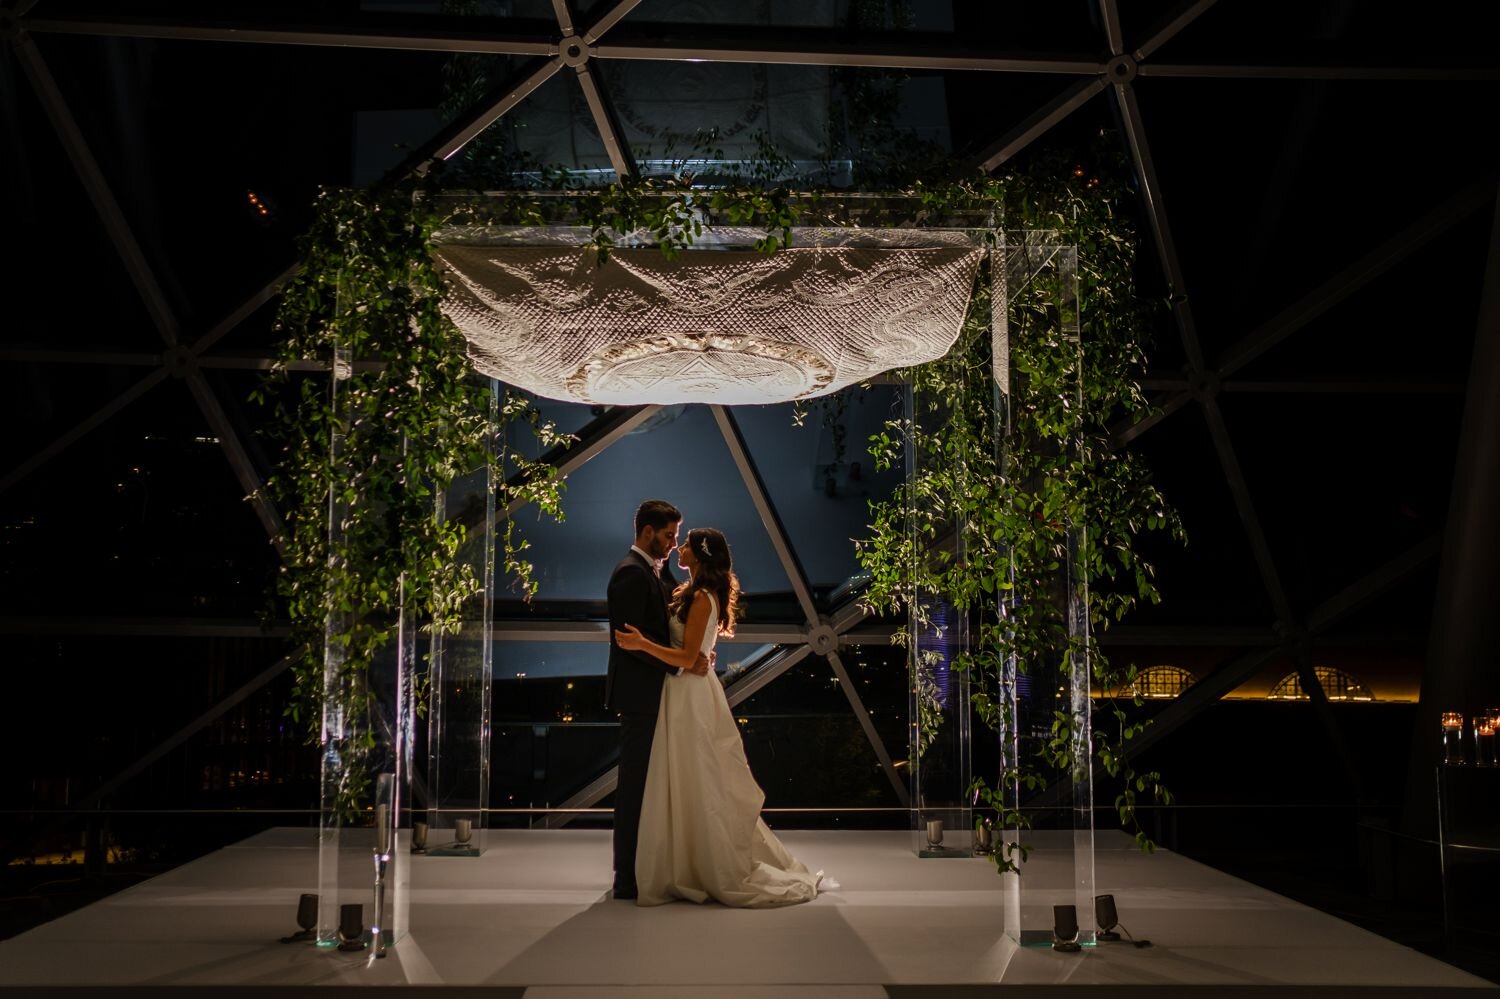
(692, 639)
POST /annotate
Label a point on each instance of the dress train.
(701, 834)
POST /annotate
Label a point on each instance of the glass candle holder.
(1453, 738)
(1484, 740)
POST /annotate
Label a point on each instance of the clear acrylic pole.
(366, 742)
(940, 736)
(462, 673)
(1057, 838)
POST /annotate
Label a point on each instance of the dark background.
(133, 574)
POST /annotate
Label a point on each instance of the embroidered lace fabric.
(727, 326)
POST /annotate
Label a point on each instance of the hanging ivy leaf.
(363, 455)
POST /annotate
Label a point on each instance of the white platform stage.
(533, 912)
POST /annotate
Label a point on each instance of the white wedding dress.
(701, 832)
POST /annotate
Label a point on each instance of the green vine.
(1057, 506)
(533, 481)
(1056, 497)
(363, 457)
(669, 213)
(831, 409)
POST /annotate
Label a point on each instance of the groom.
(639, 590)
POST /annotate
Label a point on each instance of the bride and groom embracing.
(687, 809)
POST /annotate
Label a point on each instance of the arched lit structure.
(1156, 683)
(1338, 685)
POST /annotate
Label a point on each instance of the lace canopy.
(727, 326)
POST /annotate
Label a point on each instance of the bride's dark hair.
(715, 574)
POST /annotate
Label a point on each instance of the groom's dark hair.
(656, 514)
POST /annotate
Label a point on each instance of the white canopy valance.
(721, 325)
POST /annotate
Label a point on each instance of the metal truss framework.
(821, 635)
(571, 47)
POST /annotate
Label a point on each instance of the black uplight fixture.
(307, 919)
(351, 927)
(1065, 929)
(1106, 917)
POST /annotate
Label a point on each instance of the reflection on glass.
(1047, 697)
(461, 677)
(1453, 738)
(1484, 738)
(366, 745)
(940, 739)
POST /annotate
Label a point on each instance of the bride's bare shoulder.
(705, 609)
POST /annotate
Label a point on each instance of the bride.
(701, 834)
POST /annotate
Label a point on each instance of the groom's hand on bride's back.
(700, 665)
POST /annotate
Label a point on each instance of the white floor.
(533, 911)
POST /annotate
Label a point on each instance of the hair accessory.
(703, 547)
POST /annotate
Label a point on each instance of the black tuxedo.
(633, 688)
(637, 596)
